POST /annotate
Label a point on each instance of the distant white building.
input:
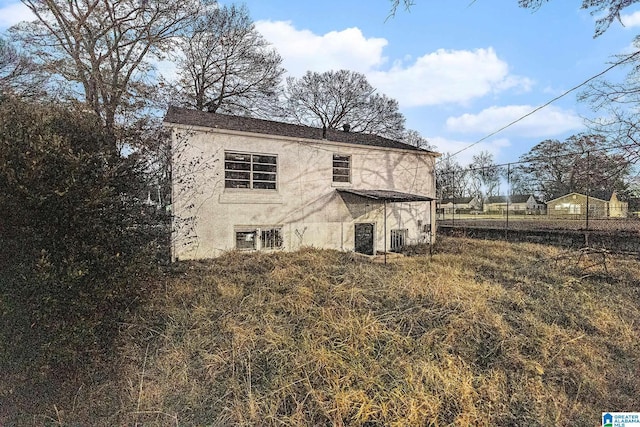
(457, 204)
(517, 203)
(250, 184)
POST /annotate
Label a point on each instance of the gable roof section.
(458, 200)
(495, 199)
(516, 198)
(519, 198)
(583, 195)
(189, 117)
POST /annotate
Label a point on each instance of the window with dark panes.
(247, 170)
(245, 239)
(399, 239)
(341, 168)
(252, 238)
(271, 238)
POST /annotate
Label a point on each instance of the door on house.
(364, 238)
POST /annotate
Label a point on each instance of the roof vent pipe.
(346, 127)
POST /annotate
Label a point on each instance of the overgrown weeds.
(481, 333)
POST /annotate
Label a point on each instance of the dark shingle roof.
(600, 195)
(515, 198)
(457, 200)
(496, 199)
(189, 117)
(519, 198)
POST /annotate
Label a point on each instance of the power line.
(620, 62)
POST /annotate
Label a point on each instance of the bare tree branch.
(226, 65)
(336, 98)
(101, 48)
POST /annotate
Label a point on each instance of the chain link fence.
(578, 192)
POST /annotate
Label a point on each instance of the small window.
(341, 168)
(399, 239)
(259, 238)
(271, 238)
(252, 171)
(245, 240)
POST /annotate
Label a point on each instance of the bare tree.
(451, 178)
(19, 76)
(618, 103)
(518, 181)
(100, 49)
(606, 11)
(413, 137)
(396, 3)
(578, 164)
(226, 65)
(485, 176)
(336, 98)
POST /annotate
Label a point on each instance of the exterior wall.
(447, 208)
(305, 205)
(575, 205)
(518, 207)
(495, 207)
(530, 206)
(537, 208)
(617, 208)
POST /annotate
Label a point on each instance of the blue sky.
(460, 69)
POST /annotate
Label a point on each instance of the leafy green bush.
(75, 234)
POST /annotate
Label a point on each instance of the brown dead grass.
(482, 333)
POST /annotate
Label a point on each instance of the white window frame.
(246, 235)
(255, 167)
(265, 238)
(399, 235)
(338, 163)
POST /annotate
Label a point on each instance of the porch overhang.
(386, 195)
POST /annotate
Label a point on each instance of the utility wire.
(622, 61)
(556, 156)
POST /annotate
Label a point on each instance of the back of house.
(249, 184)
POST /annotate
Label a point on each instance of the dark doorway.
(364, 238)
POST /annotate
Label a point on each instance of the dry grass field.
(482, 333)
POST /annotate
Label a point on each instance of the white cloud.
(11, 14)
(303, 50)
(547, 122)
(448, 76)
(632, 20)
(443, 76)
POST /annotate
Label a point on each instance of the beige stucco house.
(525, 204)
(250, 184)
(599, 206)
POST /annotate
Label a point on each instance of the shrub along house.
(251, 184)
(600, 205)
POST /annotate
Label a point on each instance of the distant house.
(459, 204)
(605, 205)
(258, 185)
(525, 204)
(634, 207)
